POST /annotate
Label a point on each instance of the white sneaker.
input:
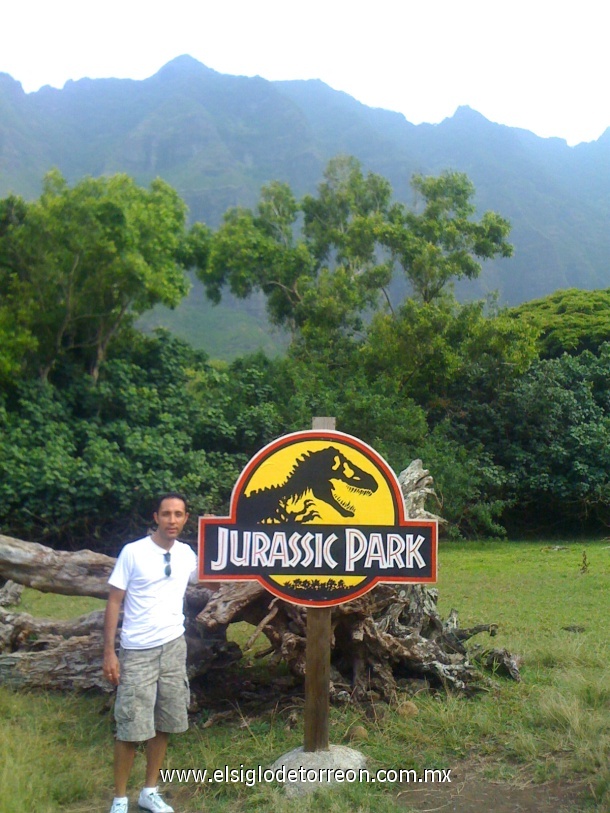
(154, 802)
(119, 805)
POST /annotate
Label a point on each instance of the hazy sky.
(542, 65)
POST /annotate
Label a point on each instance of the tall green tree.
(320, 277)
(16, 340)
(440, 241)
(81, 263)
(325, 263)
(443, 351)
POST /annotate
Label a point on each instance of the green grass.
(55, 751)
(51, 605)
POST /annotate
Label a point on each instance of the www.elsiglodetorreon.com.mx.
(252, 776)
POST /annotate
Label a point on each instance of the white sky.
(542, 65)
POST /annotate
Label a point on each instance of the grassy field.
(551, 602)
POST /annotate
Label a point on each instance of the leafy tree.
(318, 280)
(16, 339)
(78, 265)
(441, 353)
(325, 263)
(440, 243)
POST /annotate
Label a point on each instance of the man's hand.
(112, 668)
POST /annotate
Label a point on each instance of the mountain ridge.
(218, 138)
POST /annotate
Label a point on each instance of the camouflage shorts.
(153, 692)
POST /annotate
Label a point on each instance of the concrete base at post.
(318, 769)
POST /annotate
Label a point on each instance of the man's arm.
(111, 621)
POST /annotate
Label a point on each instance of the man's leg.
(170, 717)
(155, 754)
(124, 753)
(134, 709)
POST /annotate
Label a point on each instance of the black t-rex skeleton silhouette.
(314, 472)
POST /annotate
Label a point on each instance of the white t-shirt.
(153, 612)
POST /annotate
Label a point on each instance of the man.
(150, 577)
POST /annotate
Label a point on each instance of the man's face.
(171, 519)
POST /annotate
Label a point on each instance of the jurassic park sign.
(318, 518)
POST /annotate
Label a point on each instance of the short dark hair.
(171, 495)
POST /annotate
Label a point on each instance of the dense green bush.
(82, 462)
(96, 419)
(469, 486)
(550, 433)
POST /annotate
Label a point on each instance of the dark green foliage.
(82, 463)
(550, 433)
(89, 438)
(266, 398)
(440, 352)
(469, 486)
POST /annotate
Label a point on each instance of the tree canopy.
(96, 418)
(394, 373)
(568, 321)
(79, 264)
(326, 261)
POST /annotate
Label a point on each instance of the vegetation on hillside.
(96, 418)
(218, 138)
(568, 321)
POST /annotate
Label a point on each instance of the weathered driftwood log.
(417, 485)
(381, 640)
(68, 654)
(386, 636)
(82, 573)
(54, 654)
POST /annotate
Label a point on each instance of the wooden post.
(317, 661)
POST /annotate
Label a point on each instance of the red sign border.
(368, 451)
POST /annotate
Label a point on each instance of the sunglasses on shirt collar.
(168, 566)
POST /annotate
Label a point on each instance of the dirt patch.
(470, 792)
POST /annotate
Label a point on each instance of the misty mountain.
(218, 138)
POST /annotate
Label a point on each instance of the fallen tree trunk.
(386, 636)
(51, 654)
(83, 573)
(40, 653)
(385, 639)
